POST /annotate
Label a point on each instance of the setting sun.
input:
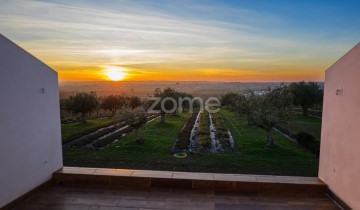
(115, 73)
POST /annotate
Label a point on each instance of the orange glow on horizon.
(120, 74)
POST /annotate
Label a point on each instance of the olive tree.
(82, 103)
(135, 118)
(229, 100)
(134, 101)
(113, 103)
(169, 102)
(306, 95)
(269, 109)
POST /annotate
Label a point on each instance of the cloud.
(152, 35)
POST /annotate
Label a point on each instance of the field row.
(286, 158)
(204, 132)
(101, 136)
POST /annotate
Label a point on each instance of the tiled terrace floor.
(109, 198)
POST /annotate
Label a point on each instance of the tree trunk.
(305, 111)
(162, 117)
(250, 121)
(83, 117)
(270, 140)
(136, 130)
(138, 138)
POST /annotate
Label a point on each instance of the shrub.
(315, 112)
(309, 142)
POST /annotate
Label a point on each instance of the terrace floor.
(109, 198)
(251, 192)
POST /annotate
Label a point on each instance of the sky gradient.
(226, 40)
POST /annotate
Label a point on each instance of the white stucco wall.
(30, 137)
(340, 136)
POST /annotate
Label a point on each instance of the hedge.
(309, 142)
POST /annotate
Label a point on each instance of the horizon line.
(214, 81)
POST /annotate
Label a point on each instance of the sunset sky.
(225, 40)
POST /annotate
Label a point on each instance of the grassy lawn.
(253, 158)
(70, 129)
(299, 123)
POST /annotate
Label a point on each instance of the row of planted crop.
(183, 140)
(87, 132)
(100, 143)
(95, 139)
(207, 136)
(87, 139)
(222, 132)
(111, 138)
(203, 131)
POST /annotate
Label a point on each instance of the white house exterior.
(30, 136)
(340, 135)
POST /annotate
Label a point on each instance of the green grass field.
(299, 123)
(254, 157)
(70, 129)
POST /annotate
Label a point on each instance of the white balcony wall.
(30, 136)
(340, 135)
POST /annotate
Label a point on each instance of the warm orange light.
(115, 73)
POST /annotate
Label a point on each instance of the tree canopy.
(170, 101)
(306, 95)
(135, 118)
(82, 103)
(269, 109)
(264, 110)
(134, 101)
(113, 103)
